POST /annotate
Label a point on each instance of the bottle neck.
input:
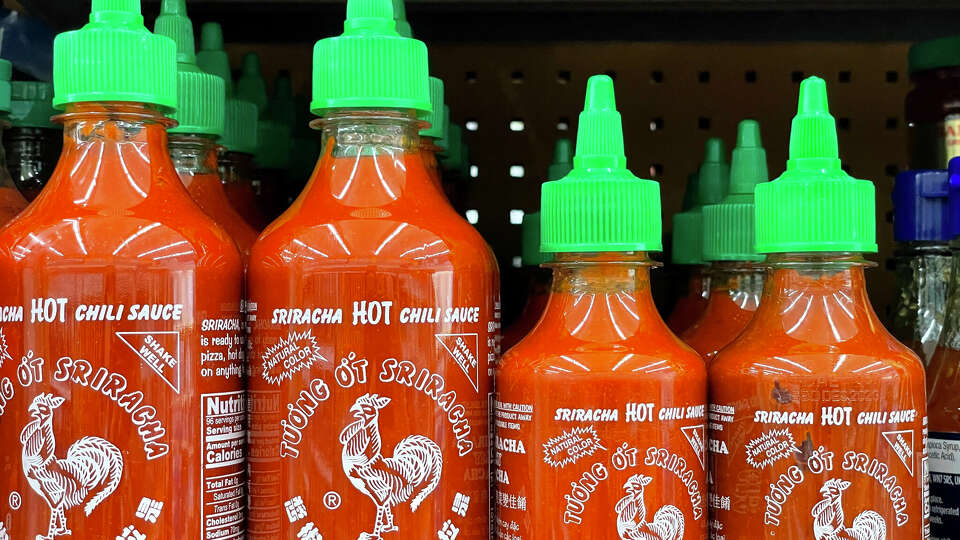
(602, 297)
(817, 298)
(114, 154)
(236, 167)
(737, 281)
(371, 159)
(950, 335)
(6, 181)
(193, 156)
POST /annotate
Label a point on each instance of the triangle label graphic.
(696, 436)
(160, 351)
(902, 444)
(463, 348)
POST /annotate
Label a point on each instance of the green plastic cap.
(690, 192)
(240, 117)
(530, 253)
(728, 232)
(283, 108)
(707, 186)
(815, 205)
(370, 65)
(273, 137)
(435, 117)
(31, 104)
(251, 86)
(600, 205)
(562, 162)
(114, 58)
(6, 73)
(934, 53)
(200, 95)
(444, 141)
(452, 157)
(400, 16)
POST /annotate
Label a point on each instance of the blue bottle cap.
(953, 213)
(920, 208)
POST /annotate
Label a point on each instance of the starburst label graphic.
(4, 351)
(770, 447)
(289, 356)
(570, 446)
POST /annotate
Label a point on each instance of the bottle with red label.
(239, 140)
(707, 186)
(200, 121)
(12, 202)
(736, 278)
(121, 376)
(600, 426)
(817, 413)
(374, 319)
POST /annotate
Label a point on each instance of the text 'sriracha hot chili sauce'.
(200, 121)
(707, 186)
(33, 142)
(12, 201)
(537, 277)
(943, 382)
(736, 280)
(375, 320)
(239, 140)
(600, 411)
(817, 414)
(122, 408)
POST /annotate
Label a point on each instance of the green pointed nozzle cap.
(713, 178)
(530, 253)
(6, 88)
(728, 231)
(690, 193)
(400, 16)
(815, 206)
(200, 95)
(251, 86)
(240, 117)
(600, 205)
(283, 107)
(114, 58)
(435, 117)
(562, 162)
(452, 158)
(370, 64)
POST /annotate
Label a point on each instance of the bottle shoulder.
(169, 231)
(438, 239)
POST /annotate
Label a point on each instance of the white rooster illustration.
(631, 511)
(88, 475)
(412, 471)
(828, 523)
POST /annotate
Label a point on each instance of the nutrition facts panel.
(224, 484)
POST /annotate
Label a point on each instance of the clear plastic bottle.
(932, 107)
(33, 141)
(121, 317)
(736, 278)
(200, 121)
(600, 410)
(921, 229)
(817, 414)
(376, 319)
(239, 140)
(12, 202)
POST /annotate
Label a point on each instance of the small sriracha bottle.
(818, 416)
(600, 410)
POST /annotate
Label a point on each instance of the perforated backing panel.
(673, 96)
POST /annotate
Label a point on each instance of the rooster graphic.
(411, 474)
(88, 475)
(631, 512)
(828, 517)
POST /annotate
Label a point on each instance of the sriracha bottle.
(374, 319)
(736, 280)
(817, 413)
(600, 409)
(709, 185)
(200, 121)
(121, 369)
(33, 142)
(12, 202)
(239, 140)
